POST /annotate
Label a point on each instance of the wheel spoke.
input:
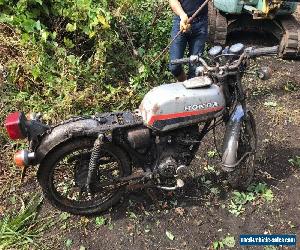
(70, 174)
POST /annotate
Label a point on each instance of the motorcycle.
(87, 163)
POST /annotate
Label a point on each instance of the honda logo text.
(201, 106)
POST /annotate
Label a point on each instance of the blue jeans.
(195, 38)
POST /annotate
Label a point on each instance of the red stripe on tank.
(155, 118)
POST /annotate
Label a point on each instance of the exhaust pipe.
(231, 139)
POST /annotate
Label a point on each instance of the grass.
(20, 230)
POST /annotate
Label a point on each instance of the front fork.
(233, 130)
(231, 138)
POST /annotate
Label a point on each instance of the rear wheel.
(243, 173)
(63, 174)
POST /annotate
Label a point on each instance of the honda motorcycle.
(87, 163)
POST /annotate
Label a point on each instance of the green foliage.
(82, 56)
(20, 230)
(227, 242)
(295, 161)
(100, 221)
(255, 192)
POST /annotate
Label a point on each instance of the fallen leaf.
(170, 235)
(179, 210)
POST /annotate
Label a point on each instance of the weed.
(261, 190)
(291, 86)
(212, 153)
(227, 242)
(20, 230)
(295, 161)
(270, 248)
(258, 191)
(68, 243)
(100, 221)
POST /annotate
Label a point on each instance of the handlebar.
(265, 51)
(181, 61)
(248, 53)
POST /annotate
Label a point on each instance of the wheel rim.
(68, 177)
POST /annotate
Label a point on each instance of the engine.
(176, 150)
(171, 151)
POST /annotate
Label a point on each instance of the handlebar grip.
(264, 51)
(180, 61)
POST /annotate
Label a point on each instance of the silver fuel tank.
(171, 106)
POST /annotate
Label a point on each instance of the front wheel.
(242, 175)
(63, 174)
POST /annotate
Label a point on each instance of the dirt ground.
(198, 215)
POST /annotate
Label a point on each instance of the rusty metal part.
(290, 42)
(217, 26)
(133, 181)
(93, 161)
(139, 137)
(84, 126)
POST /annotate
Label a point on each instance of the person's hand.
(184, 25)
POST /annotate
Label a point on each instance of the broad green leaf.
(103, 21)
(68, 42)
(64, 216)
(44, 35)
(36, 72)
(39, 2)
(69, 243)
(229, 241)
(71, 27)
(38, 25)
(100, 221)
(215, 244)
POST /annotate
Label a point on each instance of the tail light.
(23, 158)
(15, 125)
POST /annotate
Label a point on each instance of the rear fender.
(64, 132)
(231, 139)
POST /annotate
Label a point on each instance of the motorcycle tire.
(241, 177)
(75, 155)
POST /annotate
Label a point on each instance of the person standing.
(194, 35)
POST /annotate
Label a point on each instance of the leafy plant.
(21, 229)
(100, 221)
(295, 161)
(227, 242)
(239, 200)
(261, 190)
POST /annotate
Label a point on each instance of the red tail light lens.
(15, 125)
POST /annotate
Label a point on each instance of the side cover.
(171, 106)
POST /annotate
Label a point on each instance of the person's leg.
(177, 51)
(197, 39)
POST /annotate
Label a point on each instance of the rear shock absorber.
(93, 161)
